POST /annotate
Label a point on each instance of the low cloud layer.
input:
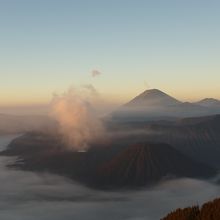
(31, 196)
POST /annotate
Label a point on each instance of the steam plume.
(78, 121)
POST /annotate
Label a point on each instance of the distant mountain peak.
(154, 104)
(209, 102)
(152, 97)
(153, 91)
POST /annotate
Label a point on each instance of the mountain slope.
(196, 137)
(152, 97)
(154, 104)
(209, 102)
(116, 165)
(145, 163)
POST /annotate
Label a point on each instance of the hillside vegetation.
(209, 211)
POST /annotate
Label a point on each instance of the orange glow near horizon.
(116, 98)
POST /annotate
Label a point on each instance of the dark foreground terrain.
(208, 211)
(198, 138)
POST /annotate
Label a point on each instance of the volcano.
(154, 104)
(152, 97)
(146, 163)
(114, 166)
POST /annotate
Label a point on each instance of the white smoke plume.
(78, 121)
(95, 73)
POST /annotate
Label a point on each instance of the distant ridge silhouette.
(153, 97)
(155, 104)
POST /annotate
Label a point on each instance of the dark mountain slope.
(116, 165)
(145, 163)
(198, 138)
(209, 211)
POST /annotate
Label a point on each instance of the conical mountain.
(150, 104)
(145, 163)
(152, 97)
(154, 104)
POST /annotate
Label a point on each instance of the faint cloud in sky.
(90, 88)
(95, 73)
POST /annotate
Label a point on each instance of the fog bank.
(31, 196)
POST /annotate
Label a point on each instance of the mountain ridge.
(156, 104)
(115, 166)
(209, 102)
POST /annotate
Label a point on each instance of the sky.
(48, 45)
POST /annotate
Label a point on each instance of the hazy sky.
(48, 45)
